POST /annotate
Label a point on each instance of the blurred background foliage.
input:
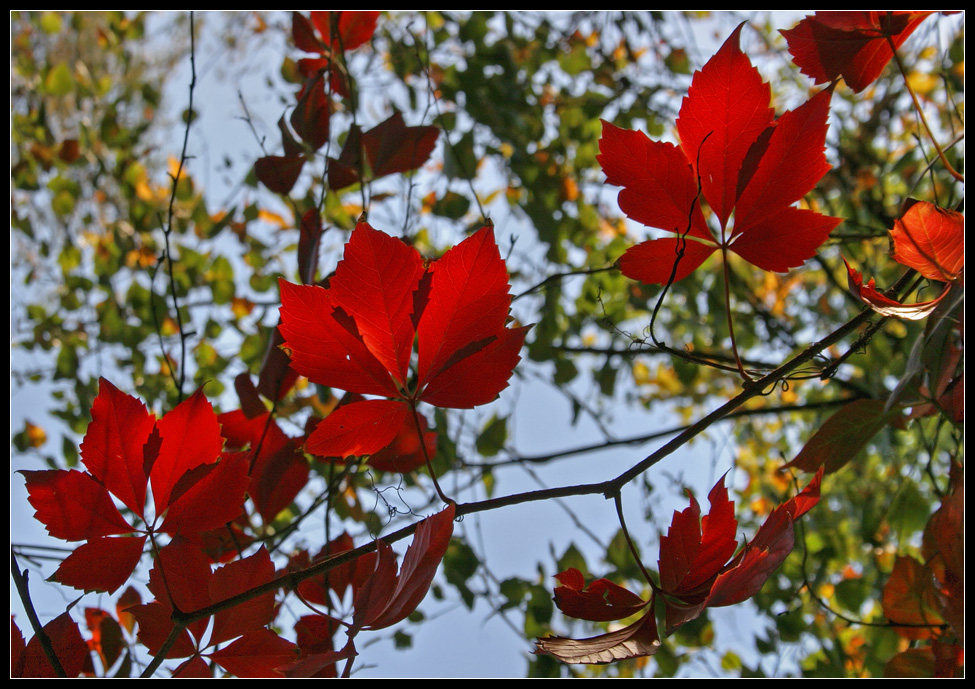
(98, 104)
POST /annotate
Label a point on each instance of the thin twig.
(168, 228)
(20, 579)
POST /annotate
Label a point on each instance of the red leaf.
(652, 262)
(357, 429)
(601, 601)
(73, 506)
(944, 551)
(936, 660)
(842, 436)
(310, 118)
(179, 579)
(194, 667)
(392, 597)
(251, 403)
(314, 636)
(791, 164)
(191, 491)
(659, 184)
(467, 306)
(479, 378)
(910, 598)
(392, 147)
(190, 437)
(751, 568)
(374, 283)
(208, 497)
(348, 168)
(784, 240)
(18, 649)
(853, 45)
(106, 636)
(345, 30)
(746, 164)
(69, 647)
(308, 243)
(691, 557)
(931, 240)
(278, 472)
(404, 454)
(237, 577)
(389, 148)
(256, 654)
(101, 564)
(358, 334)
(112, 449)
(277, 377)
(325, 343)
(303, 34)
(352, 574)
(130, 597)
(886, 306)
(279, 173)
(155, 626)
(725, 111)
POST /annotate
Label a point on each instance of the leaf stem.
(426, 455)
(917, 107)
(727, 308)
(618, 499)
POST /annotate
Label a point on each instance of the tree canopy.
(508, 294)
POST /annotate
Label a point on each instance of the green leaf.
(460, 563)
(493, 437)
(60, 81)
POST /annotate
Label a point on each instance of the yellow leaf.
(241, 307)
(274, 219)
(35, 434)
(641, 373)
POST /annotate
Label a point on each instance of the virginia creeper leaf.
(420, 564)
(467, 306)
(746, 163)
(69, 647)
(325, 345)
(256, 654)
(73, 506)
(725, 111)
(854, 45)
(404, 454)
(112, 447)
(279, 173)
(106, 636)
(638, 640)
(190, 437)
(237, 577)
(344, 30)
(931, 240)
(358, 334)
(310, 118)
(602, 601)
(884, 305)
(746, 575)
(910, 598)
(278, 472)
(101, 564)
(842, 436)
(374, 283)
(357, 429)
